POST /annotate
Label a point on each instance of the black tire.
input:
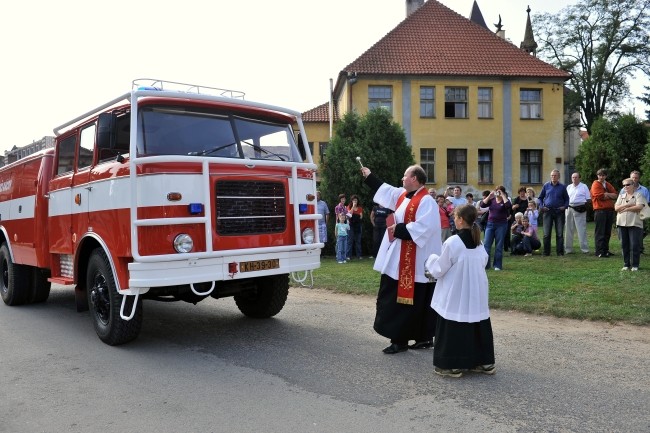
(14, 281)
(40, 286)
(104, 303)
(267, 299)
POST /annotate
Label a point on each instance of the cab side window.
(121, 137)
(65, 161)
(86, 147)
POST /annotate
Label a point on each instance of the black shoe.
(603, 256)
(395, 348)
(421, 345)
(609, 254)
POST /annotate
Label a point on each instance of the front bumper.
(199, 270)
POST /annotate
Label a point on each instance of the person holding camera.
(532, 197)
(497, 226)
(532, 213)
(355, 215)
(555, 200)
(446, 210)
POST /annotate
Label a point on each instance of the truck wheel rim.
(5, 277)
(100, 299)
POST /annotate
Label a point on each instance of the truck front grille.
(249, 207)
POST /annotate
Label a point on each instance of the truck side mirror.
(301, 147)
(106, 131)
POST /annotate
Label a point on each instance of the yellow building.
(477, 110)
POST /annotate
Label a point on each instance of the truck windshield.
(177, 131)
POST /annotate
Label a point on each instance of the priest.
(404, 310)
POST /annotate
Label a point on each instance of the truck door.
(27, 233)
(61, 201)
(81, 190)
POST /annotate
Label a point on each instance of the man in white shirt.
(576, 214)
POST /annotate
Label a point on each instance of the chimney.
(500, 32)
(412, 6)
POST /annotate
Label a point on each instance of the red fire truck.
(169, 192)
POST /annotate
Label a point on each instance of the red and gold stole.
(406, 282)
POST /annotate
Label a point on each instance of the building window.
(485, 166)
(427, 101)
(530, 103)
(311, 147)
(380, 97)
(457, 165)
(456, 102)
(428, 163)
(485, 102)
(530, 170)
(322, 149)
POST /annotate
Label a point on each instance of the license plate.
(259, 265)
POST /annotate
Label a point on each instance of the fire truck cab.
(170, 192)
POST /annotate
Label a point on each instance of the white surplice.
(425, 232)
(461, 291)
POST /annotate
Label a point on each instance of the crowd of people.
(433, 252)
(348, 228)
(511, 224)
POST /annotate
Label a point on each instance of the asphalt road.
(316, 367)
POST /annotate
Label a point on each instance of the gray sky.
(62, 58)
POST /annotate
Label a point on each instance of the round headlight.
(183, 243)
(308, 236)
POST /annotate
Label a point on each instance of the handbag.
(645, 212)
(581, 208)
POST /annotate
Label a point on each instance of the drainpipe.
(352, 78)
(331, 107)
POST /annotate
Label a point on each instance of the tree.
(602, 43)
(617, 145)
(380, 143)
